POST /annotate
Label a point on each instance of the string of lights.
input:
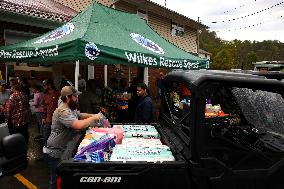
(228, 11)
(236, 8)
(266, 9)
(246, 27)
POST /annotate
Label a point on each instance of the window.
(177, 29)
(178, 99)
(239, 122)
(142, 14)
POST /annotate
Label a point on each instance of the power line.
(229, 20)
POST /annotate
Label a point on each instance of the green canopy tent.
(100, 34)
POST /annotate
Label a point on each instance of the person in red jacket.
(17, 112)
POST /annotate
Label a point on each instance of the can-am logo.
(58, 33)
(92, 51)
(101, 179)
(146, 43)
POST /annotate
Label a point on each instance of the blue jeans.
(52, 164)
(46, 130)
(39, 121)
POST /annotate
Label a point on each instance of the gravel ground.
(34, 147)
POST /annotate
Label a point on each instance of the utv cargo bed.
(126, 174)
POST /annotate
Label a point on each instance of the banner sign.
(143, 59)
(19, 54)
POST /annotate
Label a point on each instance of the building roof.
(201, 25)
(77, 5)
(45, 9)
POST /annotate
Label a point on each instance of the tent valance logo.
(58, 33)
(146, 43)
(92, 51)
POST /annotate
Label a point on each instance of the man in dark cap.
(66, 122)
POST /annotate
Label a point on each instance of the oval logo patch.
(146, 43)
(92, 51)
(58, 33)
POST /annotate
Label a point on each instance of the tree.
(251, 57)
(239, 54)
(223, 60)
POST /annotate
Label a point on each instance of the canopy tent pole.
(105, 74)
(146, 76)
(6, 73)
(91, 72)
(76, 74)
(129, 76)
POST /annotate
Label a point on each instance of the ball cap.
(69, 90)
(2, 82)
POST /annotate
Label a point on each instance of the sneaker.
(38, 138)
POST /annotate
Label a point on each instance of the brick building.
(21, 20)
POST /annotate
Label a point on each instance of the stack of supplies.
(116, 132)
(150, 153)
(141, 143)
(123, 143)
(95, 147)
(139, 131)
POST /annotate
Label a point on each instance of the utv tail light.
(58, 182)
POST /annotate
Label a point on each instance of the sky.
(235, 19)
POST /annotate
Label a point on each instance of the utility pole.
(197, 37)
(165, 3)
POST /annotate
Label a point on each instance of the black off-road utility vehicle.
(225, 130)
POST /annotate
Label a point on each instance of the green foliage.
(223, 60)
(239, 54)
(251, 57)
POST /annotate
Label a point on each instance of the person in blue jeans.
(66, 123)
(38, 105)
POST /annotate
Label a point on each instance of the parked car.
(271, 74)
(279, 75)
(13, 152)
(224, 129)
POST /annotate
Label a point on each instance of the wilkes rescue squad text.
(140, 58)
